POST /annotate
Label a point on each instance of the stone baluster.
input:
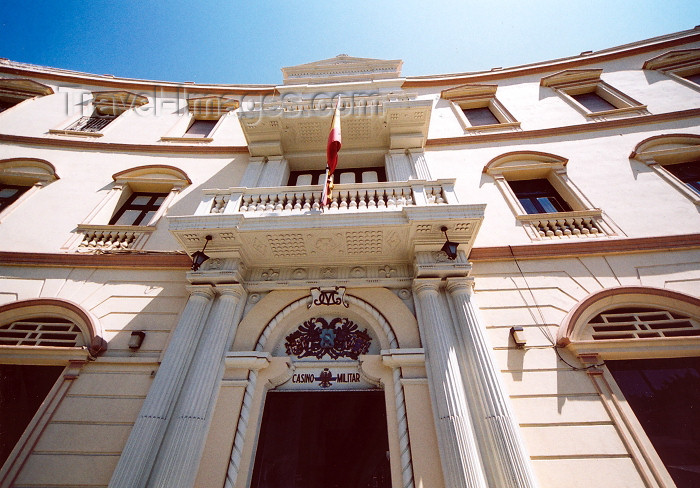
(459, 453)
(180, 454)
(507, 462)
(138, 456)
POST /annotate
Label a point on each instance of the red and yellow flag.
(332, 149)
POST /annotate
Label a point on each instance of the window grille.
(91, 124)
(43, 331)
(642, 323)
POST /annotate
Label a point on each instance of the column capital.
(460, 285)
(423, 285)
(231, 289)
(204, 291)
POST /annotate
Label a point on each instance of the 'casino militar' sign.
(326, 378)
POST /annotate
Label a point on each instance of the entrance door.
(323, 440)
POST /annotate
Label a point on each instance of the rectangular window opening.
(538, 196)
(480, 116)
(593, 102)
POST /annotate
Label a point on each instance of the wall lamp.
(136, 339)
(198, 257)
(518, 335)
(449, 248)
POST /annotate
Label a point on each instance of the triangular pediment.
(673, 59)
(342, 68)
(572, 76)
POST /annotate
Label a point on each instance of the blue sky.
(248, 42)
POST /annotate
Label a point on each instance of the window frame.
(571, 336)
(95, 229)
(474, 96)
(14, 91)
(660, 151)
(316, 174)
(106, 104)
(678, 65)
(201, 108)
(572, 82)
(585, 219)
(31, 173)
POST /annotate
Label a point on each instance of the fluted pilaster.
(508, 463)
(458, 448)
(139, 454)
(180, 454)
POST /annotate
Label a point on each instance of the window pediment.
(116, 102)
(673, 59)
(469, 91)
(577, 76)
(153, 177)
(524, 163)
(211, 107)
(22, 89)
(27, 171)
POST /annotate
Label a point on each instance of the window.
(41, 339)
(676, 158)
(341, 176)
(478, 109)
(15, 91)
(682, 65)
(688, 173)
(649, 342)
(586, 92)
(206, 113)
(130, 211)
(108, 106)
(19, 177)
(138, 209)
(538, 196)
(10, 193)
(543, 199)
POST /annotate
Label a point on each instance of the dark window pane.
(538, 196)
(695, 78)
(10, 193)
(299, 178)
(138, 209)
(323, 440)
(593, 102)
(200, 128)
(665, 397)
(22, 389)
(688, 173)
(5, 104)
(480, 116)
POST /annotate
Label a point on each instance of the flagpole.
(327, 183)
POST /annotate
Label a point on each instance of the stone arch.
(58, 308)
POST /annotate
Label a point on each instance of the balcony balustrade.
(290, 200)
(579, 223)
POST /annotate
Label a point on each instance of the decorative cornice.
(588, 247)
(145, 260)
(569, 129)
(84, 145)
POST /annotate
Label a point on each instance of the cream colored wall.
(45, 222)
(86, 433)
(565, 425)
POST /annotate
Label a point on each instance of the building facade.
(557, 346)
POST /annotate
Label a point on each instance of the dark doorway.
(323, 440)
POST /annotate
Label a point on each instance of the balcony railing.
(91, 124)
(345, 198)
(112, 237)
(579, 223)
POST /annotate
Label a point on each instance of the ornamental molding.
(336, 338)
(328, 296)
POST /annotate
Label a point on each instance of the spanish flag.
(332, 149)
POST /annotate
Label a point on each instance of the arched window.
(19, 178)
(38, 339)
(676, 158)
(543, 198)
(643, 345)
(130, 211)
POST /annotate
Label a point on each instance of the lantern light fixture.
(449, 248)
(198, 257)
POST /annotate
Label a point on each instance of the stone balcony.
(368, 222)
(578, 223)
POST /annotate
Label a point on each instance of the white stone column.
(420, 165)
(459, 453)
(138, 456)
(399, 166)
(180, 454)
(507, 461)
(274, 173)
